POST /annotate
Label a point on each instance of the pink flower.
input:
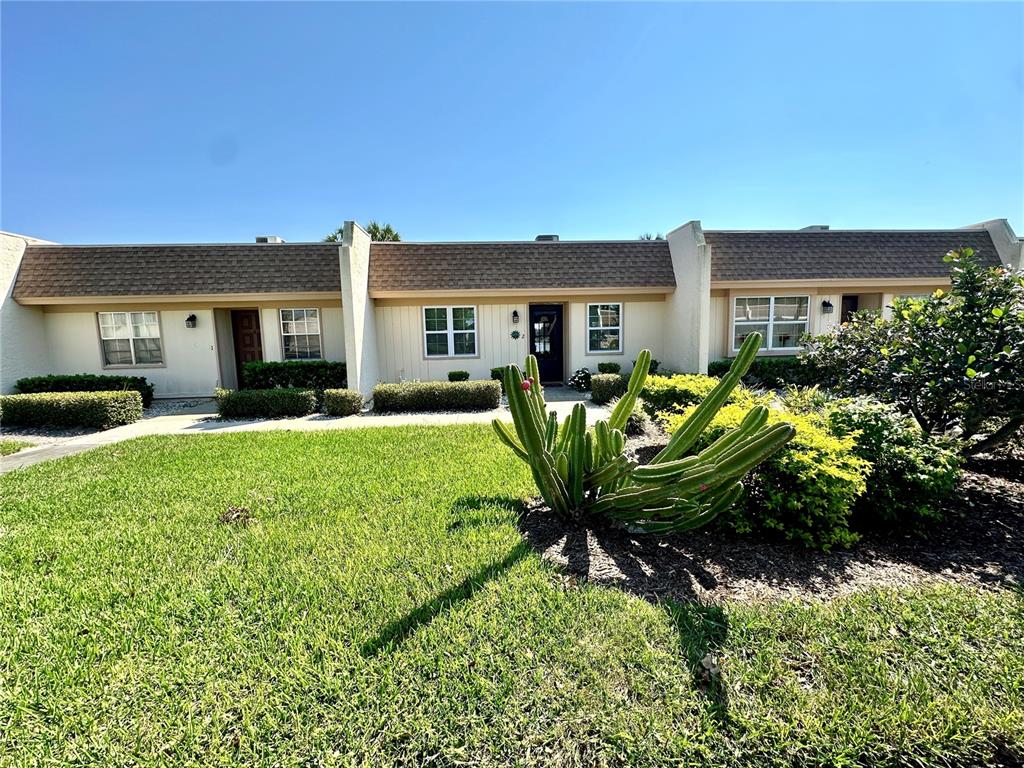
(526, 385)
(704, 486)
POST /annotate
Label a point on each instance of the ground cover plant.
(365, 597)
(10, 446)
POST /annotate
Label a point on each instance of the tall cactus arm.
(508, 438)
(741, 458)
(551, 432)
(533, 371)
(699, 516)
(637, 380)
(751, 423)
(691, 429)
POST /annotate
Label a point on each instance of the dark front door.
(546, 341)
(245, 331)
(850, 304)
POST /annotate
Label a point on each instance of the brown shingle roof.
(164, 270)
(840, 254)
(520, 265)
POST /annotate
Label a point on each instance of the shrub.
(418, 396)
(605, 387)
(265, 403)
(609, 368)
(954, 360)
(458, 375)
(580, 381)
(667, 393)
(498, 375)
(100, 410)
(295, 374)
(86, 382)
(806, 491)
(342, 402)
(652, 368)
(772, 372)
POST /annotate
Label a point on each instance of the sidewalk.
(202, 419)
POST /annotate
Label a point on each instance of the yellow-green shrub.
(668, 393)
(806, 491)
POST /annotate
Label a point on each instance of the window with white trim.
(130, 338)
(781, 320)
(300, 334)
(604, 327)
(449, 331)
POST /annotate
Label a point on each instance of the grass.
(380, 608)
(9, 445)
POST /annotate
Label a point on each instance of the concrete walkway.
(202, 420)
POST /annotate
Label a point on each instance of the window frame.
(123, 366)
(449, 331)
(319, 332)
(770, 322)
(588, 328)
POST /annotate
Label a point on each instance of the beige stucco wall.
(23, 350)
(400, 333)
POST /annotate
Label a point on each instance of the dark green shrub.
(580, 381)
(772, 372)
(342, 402)
(99, 410)
(498, 375)
(265, 403)
(605, 387)
(806, 492)
(458, 375)
(295, 374)
(420, 396)
(86, 382)
(652, 369)
(664, 394)
(609, 368)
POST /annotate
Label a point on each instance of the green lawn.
(381, 609)
(9, 445)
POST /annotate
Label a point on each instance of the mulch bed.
(980, 544)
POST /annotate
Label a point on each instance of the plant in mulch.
(585, 474)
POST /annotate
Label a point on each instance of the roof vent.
(816, 228)
(546, 238)
(269, 239)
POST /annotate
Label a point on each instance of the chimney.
(269, 239)
(816, 228)
(546, 238)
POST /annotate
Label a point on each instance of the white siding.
(22, 334)
(718, 328)
(642, 324)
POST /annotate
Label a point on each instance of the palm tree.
(649, 236)
(378, 233)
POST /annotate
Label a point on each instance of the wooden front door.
(546, 341)
(245, 331)
(850, 304)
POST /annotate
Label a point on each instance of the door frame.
(234, 339)
(562, 316)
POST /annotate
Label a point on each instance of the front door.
(546, 341)
(850, 303)
(245, 331)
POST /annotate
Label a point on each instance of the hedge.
(458, 375)
(609, 368)
(86, 382)
(605, 387)
(342, 402)
(99, 410)
(415, 396)
(295, 374)
(771, 372)
(265, 403)
(669, 393)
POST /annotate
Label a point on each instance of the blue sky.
(141, 122)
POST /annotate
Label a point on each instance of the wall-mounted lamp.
(190, 321)
(826, 307)
(515, 315)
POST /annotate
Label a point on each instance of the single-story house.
(188, 316)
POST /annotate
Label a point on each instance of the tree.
(955, 360)
(649, 236)
(378, 233)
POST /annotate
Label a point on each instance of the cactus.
(582, 473)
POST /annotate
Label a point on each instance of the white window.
(449, 331)
(300, 334)
(604, 327)
(781, 320)
(130, 338)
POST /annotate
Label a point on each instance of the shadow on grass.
(702, 630)
(477, 511)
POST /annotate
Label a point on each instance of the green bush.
(652, 369)
(605, 387)
(99, 410)
(664, 394)
(86, 382)
(458, 375)
(772, 372)
(265, 403)
(342, 402)
(419, 396)
(806, 492)
(295, 374)
(609, 368)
